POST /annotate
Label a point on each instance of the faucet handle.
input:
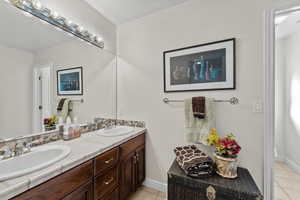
(20, 145)
(27, 147)
(6, 152)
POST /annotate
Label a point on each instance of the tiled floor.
(145, 193)
(287, 183)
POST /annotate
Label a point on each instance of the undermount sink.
(38, 158)
(115, 131)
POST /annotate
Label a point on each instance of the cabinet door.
(83, 193)
(140, 166)
(112, 196)
(127, 176)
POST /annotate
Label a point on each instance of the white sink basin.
(115, 131)
(38, 158)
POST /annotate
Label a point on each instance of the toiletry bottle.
(67, 132)
(60, 125)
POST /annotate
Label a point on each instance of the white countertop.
(88, 146)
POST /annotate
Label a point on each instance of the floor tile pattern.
(145, 193)
(287, 183)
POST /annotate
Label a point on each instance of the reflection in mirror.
(33, 54)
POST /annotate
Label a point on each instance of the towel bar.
(75, 100)
(233, 100)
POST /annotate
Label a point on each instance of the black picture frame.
(233, 71)
(66, 70)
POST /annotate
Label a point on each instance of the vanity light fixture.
(35, 8)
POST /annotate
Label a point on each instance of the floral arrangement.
(226, 147)
(52, 121)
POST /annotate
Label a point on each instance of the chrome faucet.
(19, 148)
(6, 153)
(109, 126)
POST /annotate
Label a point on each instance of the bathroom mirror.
(40, 66)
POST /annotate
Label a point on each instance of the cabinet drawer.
(112, 196)
(132, 145)
(61, 186)
(106, 160)
(106, 183)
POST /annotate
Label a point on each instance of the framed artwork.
(69, 81)
(202, 67)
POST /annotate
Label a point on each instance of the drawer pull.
(109, 161)
(109, 181)
(211, 193)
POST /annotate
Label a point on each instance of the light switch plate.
(257, 107)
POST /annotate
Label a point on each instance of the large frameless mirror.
(46, 67)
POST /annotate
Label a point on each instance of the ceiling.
(121, 11)
(27, 32)
(289, 24)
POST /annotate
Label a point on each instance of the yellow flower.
(213, 138)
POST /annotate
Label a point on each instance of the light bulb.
(54, 14)
(69, 22)
(80, 29)
(37, 5)
(99, 39)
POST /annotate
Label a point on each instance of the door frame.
(35, 121)
(269, 91)
(269, 97)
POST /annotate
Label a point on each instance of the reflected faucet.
(108, 126)
(19, 148)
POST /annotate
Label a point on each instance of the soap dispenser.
(67, 132)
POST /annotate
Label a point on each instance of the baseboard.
(155, 185)
(294, 166)
(279, 159)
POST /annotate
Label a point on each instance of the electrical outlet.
(258, 107)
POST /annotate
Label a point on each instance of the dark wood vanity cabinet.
(132, 166)
(61, 186)
(112, 175)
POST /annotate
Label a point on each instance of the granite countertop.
(88, 146)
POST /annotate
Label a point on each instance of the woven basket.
(226, 167)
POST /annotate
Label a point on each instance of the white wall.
(140, 76)
(291, 104)
(98, 77)
(15, 92)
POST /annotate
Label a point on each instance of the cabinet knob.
(211, 193)
(109, 161)
(109, 181)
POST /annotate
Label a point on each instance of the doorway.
(43, 96)
(286, 169)
(282, 90)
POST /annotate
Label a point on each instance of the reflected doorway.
(43, 96)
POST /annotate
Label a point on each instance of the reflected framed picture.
(69, 81)
(202, 67)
